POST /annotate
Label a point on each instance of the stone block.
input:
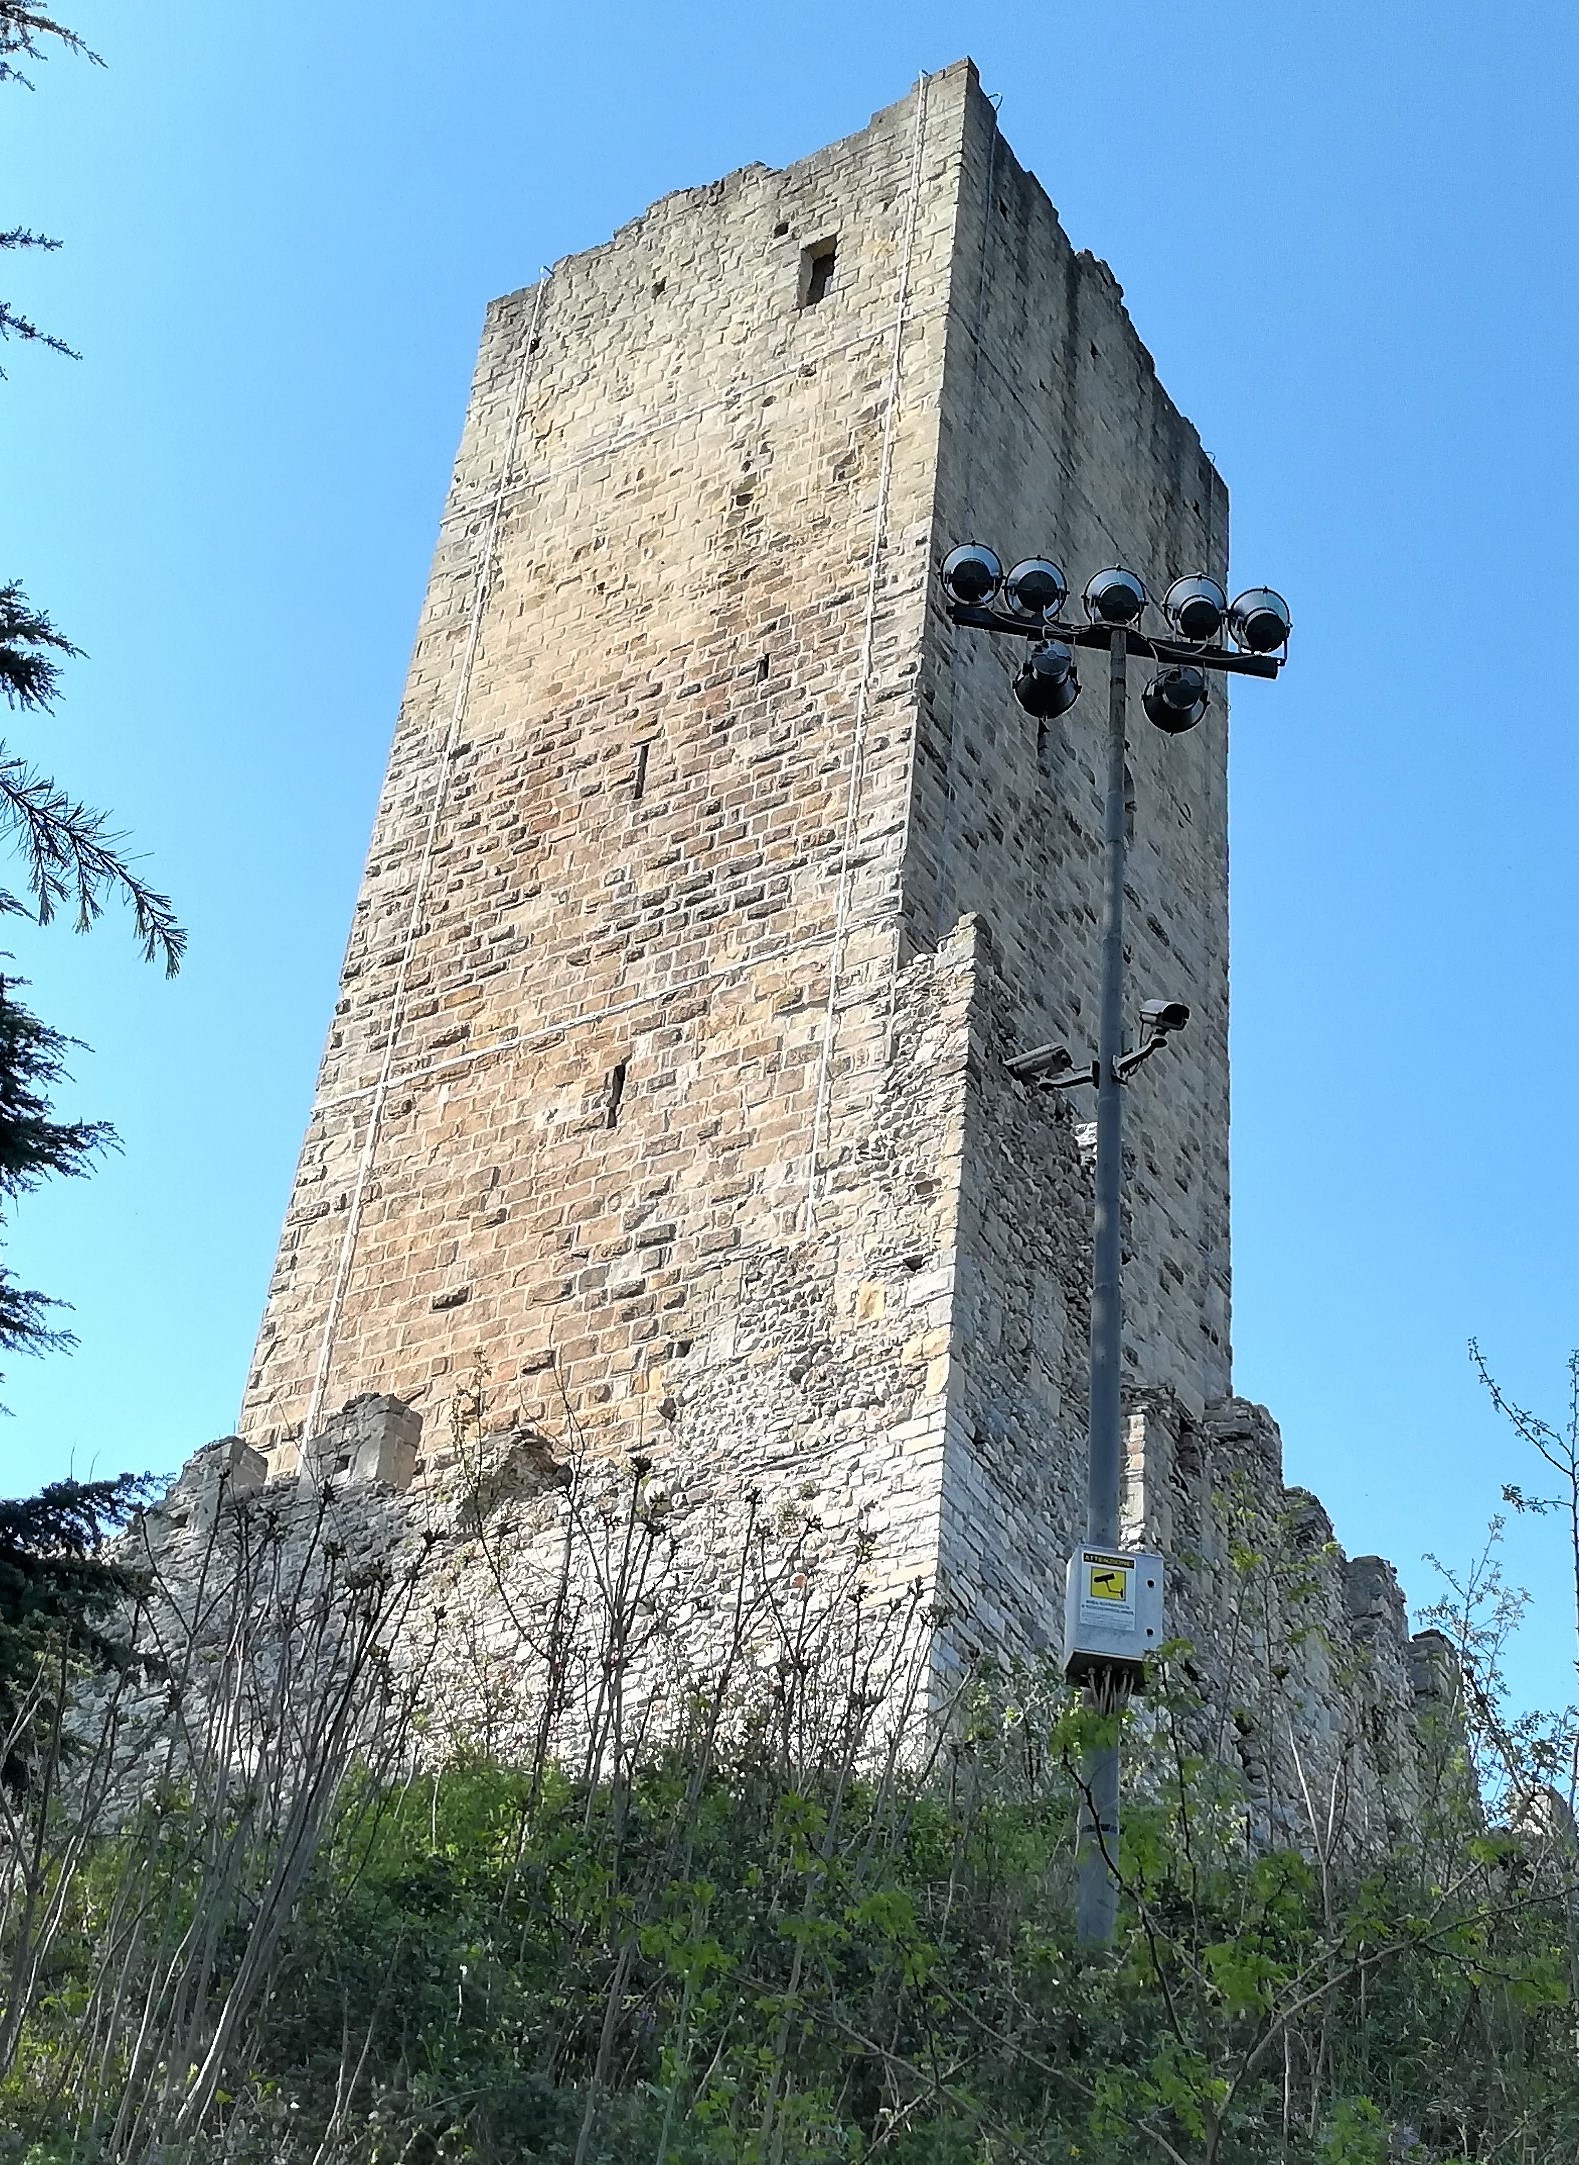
(221, 1472)
(1373, 1597)
(373, 1438)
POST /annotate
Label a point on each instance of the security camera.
(1159, 1019)
(1040, 1062)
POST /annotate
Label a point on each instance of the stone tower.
(715, 876)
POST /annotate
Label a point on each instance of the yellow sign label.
(1107, 1583)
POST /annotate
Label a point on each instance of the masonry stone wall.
(1058, 440)
(664, 1115)
(638, 841)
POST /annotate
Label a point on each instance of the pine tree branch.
(24, 1320)
(25, 34)
(73, 860)
(29, 678)
(34, 1145)
(13, 324)
(72, 857)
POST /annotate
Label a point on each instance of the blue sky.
(1346, 233)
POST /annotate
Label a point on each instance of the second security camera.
(1163, 1017)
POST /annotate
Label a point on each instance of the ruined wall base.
(550, 1599)
(868, 1451)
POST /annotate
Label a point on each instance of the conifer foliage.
(59, 1597)
(26, 36)
(71, 858)
(33, 1144)
(58, 1587)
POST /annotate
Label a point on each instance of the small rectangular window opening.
(639, 778)
(616, 1091)
(762, 669)
(816, 271)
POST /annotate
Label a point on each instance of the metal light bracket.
(1034, 1068)
(1125, 1067)
(1101, 635)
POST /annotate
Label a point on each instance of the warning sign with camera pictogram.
(1107, 1590)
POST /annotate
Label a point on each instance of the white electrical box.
(1112, 1613)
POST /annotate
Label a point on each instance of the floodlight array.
(1196, 609)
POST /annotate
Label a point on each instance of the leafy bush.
(260, 1915)
(697, 1957)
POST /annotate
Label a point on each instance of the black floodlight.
(1175, 699)
(971, 575)
(1196, 607)
(1162, 1017)
(1047, 685)
(1036, 590)
(1114, 596)
(1259, 620)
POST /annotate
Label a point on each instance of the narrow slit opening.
(615, 1092)
(639, 778)
(762, 670)
(816, 271)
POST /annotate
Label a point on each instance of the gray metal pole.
(1097, 1910)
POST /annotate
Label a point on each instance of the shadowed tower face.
(715, 876)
